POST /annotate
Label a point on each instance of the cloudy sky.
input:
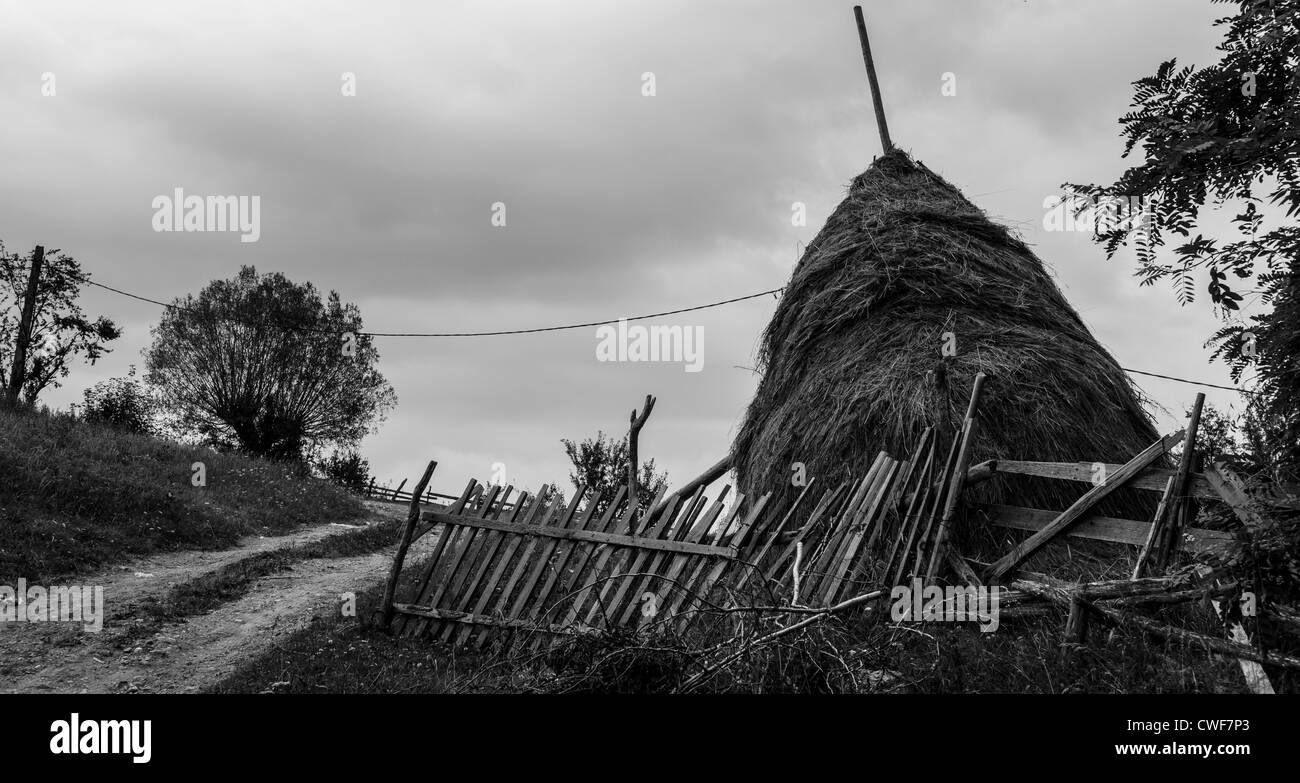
(616, 203)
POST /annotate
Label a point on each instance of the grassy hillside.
(75, 497)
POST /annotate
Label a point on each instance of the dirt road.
(196, 652)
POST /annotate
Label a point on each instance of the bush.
(348, 469)
(124, 403)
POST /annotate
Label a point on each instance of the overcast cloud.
(617, 204)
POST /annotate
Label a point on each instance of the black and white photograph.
(934, 349)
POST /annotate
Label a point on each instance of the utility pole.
(19, 372)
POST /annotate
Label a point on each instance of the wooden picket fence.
(537, 568)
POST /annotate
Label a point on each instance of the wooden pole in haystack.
(1177, 515)
(958, 479)
(881, 125)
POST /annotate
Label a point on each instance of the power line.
(471, 334)
(536, 330)
(1184, 380)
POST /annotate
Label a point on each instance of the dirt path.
(197, 652)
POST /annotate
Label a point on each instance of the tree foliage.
(268, 366)
(125, 403)
(61, 331)
(601, 464)
(1226, 134)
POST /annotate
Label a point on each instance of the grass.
(75, 497)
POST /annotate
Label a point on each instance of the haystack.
(853, 360)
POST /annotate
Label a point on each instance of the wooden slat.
(924, 457)
(460, 539)
(615, 539)
(1151, 479)
(683, 592)
(677, 532)
(491, 590)
(1119, 478)
(854, 560)
(542, 508)
(705, 586)
(1099, 528)
(473, 586)
(605, 552)
(679, 563)
(638, 557)
(537, 563)
(843, 532)
(827, 500)
(554, 562)
(585, 550)
(1153, 530)
(772, 533)
(438, 551)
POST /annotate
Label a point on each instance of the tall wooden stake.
(1177, 514)
(19, 372)
(632, 465)
(881, 125)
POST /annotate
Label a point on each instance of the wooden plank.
(439, 549)
(1236, 499)
(460, 539)
(1172, 532)
(1150, 479)
(471, 562)
(563, 552)
(465, 597)
(827, 501)
(720, 565)
(773, 533)
(602, 556)
(824, 559)
(852, 564)
(679, 563)
(585, 550)
(1114, 481)
(1096, 527)
(491, 589)
(618, 589)
(1153, 529)
(527, 605)
(853, 522)
(677, 532)
(637, 542)
(683, 591)
(956, 484)
(924, 459)
(925, 542)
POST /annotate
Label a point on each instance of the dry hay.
(904, 259)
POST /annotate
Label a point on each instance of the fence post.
(412, 519)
